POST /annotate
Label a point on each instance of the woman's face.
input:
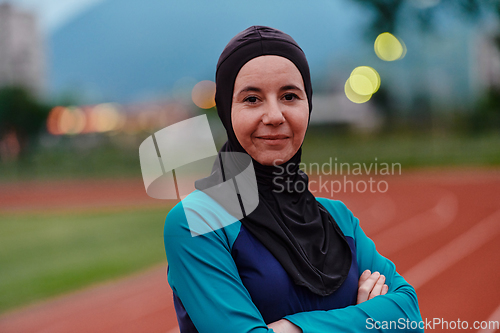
(270, 110)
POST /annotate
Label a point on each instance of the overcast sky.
(54, 13)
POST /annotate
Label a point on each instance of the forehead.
(268, 69)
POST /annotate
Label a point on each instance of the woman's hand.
(371, 285)
(284, 326)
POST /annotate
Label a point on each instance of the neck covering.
(288, 220)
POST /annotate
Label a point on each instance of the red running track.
(439, 228)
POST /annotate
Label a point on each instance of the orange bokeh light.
(53, 120)
(203, 94)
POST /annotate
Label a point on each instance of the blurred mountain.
(132, 50)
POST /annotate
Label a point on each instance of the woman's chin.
(273, 158)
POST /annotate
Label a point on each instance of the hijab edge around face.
(278, 216)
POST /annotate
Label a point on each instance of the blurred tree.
(21, 118)
(390, 15)
(387, 12)
(486, 115)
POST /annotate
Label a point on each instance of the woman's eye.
(251, 99)
(290, 97)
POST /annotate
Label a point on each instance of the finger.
(366, 274)
(365, 289)
(377, 289)
(385, 289)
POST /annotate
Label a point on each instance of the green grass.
(411, 151)
(43, 255)
(70, 158)
(73, 158)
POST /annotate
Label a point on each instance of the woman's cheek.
(243, 127)
(300, 121)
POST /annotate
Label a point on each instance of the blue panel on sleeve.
(185, 323)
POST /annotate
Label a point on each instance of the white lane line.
(380, 213)
(419, 226)
(454, 251)
(493, 322)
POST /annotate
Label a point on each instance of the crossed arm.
(369, 285)
(204, 276)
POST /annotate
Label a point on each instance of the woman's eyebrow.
(291, 87)
(255, 89)
(249, 88)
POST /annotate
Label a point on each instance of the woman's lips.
(273, 140)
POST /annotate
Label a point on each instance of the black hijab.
(290, 223)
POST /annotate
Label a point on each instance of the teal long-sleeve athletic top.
(225, 280)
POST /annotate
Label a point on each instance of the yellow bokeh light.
(203, 94)
(361, 85)
(122, 119)
(105, 117)
(353, 96)
(365, 80)
(389, 48)
(71, 121)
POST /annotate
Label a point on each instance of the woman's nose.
(273, 114)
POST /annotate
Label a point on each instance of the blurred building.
(21, 50)
(337, 109)
(488, 59)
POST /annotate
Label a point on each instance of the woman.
(296, 263)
